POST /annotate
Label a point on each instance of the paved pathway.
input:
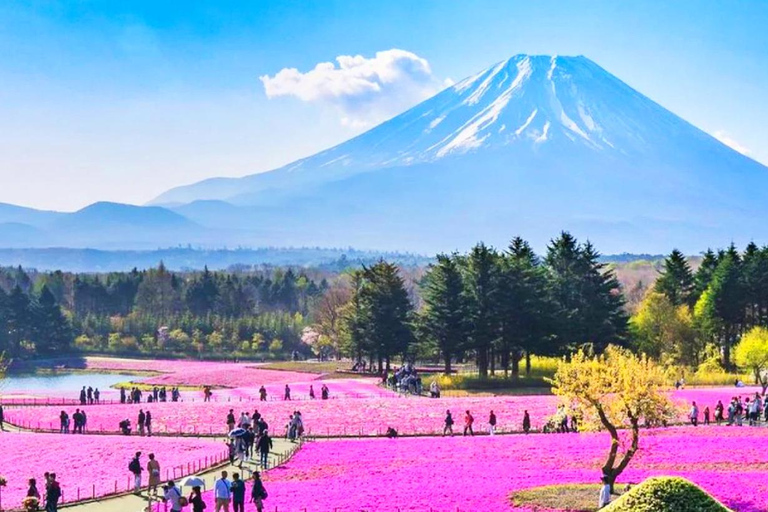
(134, 503)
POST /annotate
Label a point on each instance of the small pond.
(62, 381)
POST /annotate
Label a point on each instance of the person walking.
(222, 492)
(694, 414)
(142, 420)
(238, 493)
(492, 423)
(63, 422)
(311, 392)
(231, 420)
(448, 427)
(2, 418)
(264, 445)
(287, 395)
(52, 493)
(526, 422)
(196, 499)
(148, 423)
(258, 492)
(173, 496)
(135, 468)
(719, 412)
(706, 415)
(153, 470)
(468, 421)
(262, 394)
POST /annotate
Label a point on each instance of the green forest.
(494, 307)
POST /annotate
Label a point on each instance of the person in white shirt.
(694, 414)
(222, 492)
(605, 494)
(173, 495)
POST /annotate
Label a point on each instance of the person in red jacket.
(468, 421)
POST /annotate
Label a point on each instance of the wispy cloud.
(364, 91)
(726, 139)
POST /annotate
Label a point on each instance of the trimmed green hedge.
(666, 494)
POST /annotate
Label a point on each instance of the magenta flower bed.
(200, 373)
(341, 416)
(94, 465)
(471, 474)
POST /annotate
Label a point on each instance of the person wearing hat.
(258, 492)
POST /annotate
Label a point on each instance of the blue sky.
(122, 100)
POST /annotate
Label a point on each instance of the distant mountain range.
(530, 146)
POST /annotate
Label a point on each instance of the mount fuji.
(529, 146)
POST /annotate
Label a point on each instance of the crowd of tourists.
(405, 379)
(752, 411)
(156, 394)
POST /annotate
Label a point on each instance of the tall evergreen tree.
(704, 274)
(586, 296)
(51, 332)
(721, 308)
(444, 315)
(389, 311)
(481, 288)
(676, 280)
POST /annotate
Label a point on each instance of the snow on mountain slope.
(527, 103)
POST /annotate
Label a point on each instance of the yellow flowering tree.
(752, 353)
(613, 391)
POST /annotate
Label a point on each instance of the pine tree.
(676, 280)
(51, 332)
(720, 310)
(388, 311)
(481, 282)
(704, 274)
(444, 315)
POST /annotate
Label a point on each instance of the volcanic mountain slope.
(528, 146)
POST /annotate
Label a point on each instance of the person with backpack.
(258, 492)
(238, 493)
(448, 427)
(135, 468)
(196, 500)
(173, 495)
(222, 492)
(52, 494)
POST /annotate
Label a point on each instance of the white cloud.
(731, 143)
(364, 91)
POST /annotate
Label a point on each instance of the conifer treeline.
(497, 307)
(152, 311)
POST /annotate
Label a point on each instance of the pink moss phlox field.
(85, 461)
(473, 474)
(341, 416)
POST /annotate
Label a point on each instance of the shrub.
(666, 494)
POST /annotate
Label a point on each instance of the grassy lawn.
(331, 369)
(570, 498)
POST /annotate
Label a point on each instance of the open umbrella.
(193, 481)
(238, 432)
